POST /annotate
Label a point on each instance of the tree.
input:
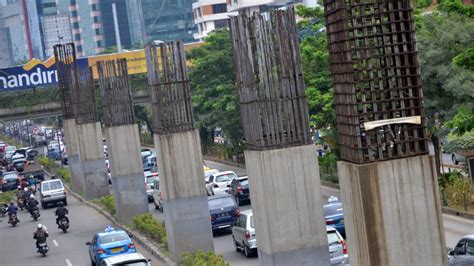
(214, 94)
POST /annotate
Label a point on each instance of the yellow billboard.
(136, 61)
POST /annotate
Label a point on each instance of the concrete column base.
(183, 188)
(95, 179)
(126, 168)
(287, 206)
(74, 161)
(187, 226)
(392, 212)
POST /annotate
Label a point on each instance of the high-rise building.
(210, 15)
(262, 5)
(56, 30)
(15, 31)
(5, 60)
(168, 20)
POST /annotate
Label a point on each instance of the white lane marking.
(68, 262)
(55, 243)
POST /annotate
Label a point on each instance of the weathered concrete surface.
(183, 187)
(74, 161)
(91, 153)
(126, 168)
(392, 212)
(287, 204)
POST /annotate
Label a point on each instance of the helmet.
(32, 196)
(25, 189)
(19, 187)
(11, 202)
(39, 226)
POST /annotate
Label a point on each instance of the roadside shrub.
(6, 197)
(328, 167)
(46, 162)
(201, 258)
(146, 224)
(64, 173)
(108, 203)
(458, 193)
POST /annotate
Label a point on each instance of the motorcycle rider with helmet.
(61, 212)
(40, 235)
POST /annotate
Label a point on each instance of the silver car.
(52, 191)
(243, 234)
(463, 253)
(337, 247)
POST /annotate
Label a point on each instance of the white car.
(219, 182)
(135, 259)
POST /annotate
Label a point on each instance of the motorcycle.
(35, 214)
(64, 224)
(43, 248)
(3, 209)
(13, 220)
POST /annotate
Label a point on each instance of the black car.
(239, 189)
(10, 181)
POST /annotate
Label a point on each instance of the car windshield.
(56, 184)
(132, 263)
(10, 148)
(251, 222)
(221, 203)
(333, 238)
(10, 176)
(224, 178)
(333, 209)
(244, 182)
(113, 238)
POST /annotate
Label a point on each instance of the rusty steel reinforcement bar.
(115, 92)
(270, 80)
(376, 77)
(65, 56)
(169, 88)
(83, 91)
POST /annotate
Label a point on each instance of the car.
(208, 172)
(463, 253)
(51, 192)
(9, 150)
(129, 259)
(150, 187)
(239, 189)
(243, 233)
(223, 211)
(145, 152)
(337, 247)
(334, 216)
(157, 195)
(18, 164)
(218, 182)
(151, 162)
(111, 242)
(10, 181)
(3, 145)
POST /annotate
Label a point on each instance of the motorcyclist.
(40, 235)
(26, 196)
(32, 182)
(12, 209)
(32, 204)
(19, 193)
(61, 212)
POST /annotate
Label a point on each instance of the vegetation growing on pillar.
(108, 203)
(202, 258)
(149, 226)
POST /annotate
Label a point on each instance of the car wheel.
(247, 252)
(65, 202)
(93, 263)
(236, 245)
(43, 205)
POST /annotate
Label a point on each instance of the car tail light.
(237, 212)
(131, 245)
(216, 186)
(344, 248)
(330, 222)
(239, 189)
(100, 251)
(247, 235)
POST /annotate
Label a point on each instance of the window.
(94, 7)
(97, 31)
(221, 203)
(96, 19)
(252, 225)
(221, 23)
(460, 248)
(75, 25)
(99, 43)
(333, 238)
(225, 178)
(79, 48)
(113, 238)
(244, 221)
(199, 12)
(219, 8)
(470, 247)
(74, 13)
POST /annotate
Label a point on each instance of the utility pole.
(116, 27)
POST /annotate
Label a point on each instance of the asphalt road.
(17, 246)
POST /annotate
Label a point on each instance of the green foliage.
(456, 7)
(465, 59)
(422, 3)
(6, 197)
(108, 203)
(28, 97)
(458, 190)
(462, 122)
(201, 258)
(464, 142)
(64, 174)
(328, 167)
(46, 162)
(215, 99)
(146, 224)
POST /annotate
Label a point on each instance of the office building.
(210, 15)
(56, 30)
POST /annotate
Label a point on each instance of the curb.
(138, 237)
(456, 212)
(207, 158)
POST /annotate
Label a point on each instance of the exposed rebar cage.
(83, 100)
(270, 80)
(65, 56)
(115, 93)
(169, 88)
(377, 88)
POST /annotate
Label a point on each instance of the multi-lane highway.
(17, 246)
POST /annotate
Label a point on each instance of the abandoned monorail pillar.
(388, 181)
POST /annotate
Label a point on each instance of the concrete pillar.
(74, 161)
(93, 163)
(126, 168)
(392, 212)
(185, 200)
(287, 206)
